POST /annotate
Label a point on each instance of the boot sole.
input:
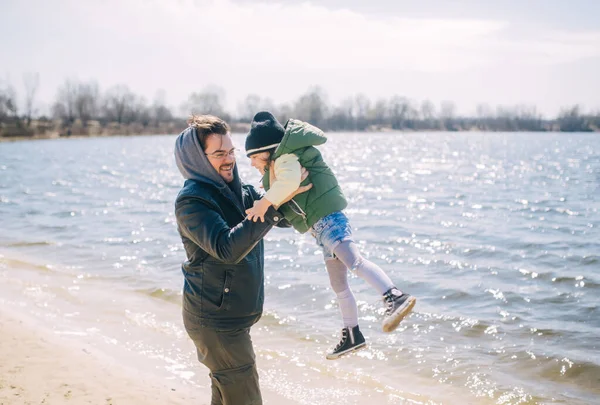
(393, 321)
(336, 356)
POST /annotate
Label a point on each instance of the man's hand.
(258, 210)
(299, 190)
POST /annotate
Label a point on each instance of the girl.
(282, 152)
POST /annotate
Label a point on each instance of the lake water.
(497, 235)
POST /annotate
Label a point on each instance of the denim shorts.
(330, 231)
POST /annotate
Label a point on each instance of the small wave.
(54, 227)
(566, 211)
(557, 261)
(34, 212)
(586, 260)
(5, 200)
(578, 281)
(584, 374)
(526, 330)
(568, 231)
(21, 264)
(64, 214)
(591, 310)
(527, 246)
(583, 260)
(468, 327)
(28, 244)
(561, 298)
(457, 295)
(487, 252)
(165, 294)
(553, 277)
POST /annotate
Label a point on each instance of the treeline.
(81, 108)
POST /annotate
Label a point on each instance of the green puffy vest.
(325, 197)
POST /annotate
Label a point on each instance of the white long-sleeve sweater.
(289, 176)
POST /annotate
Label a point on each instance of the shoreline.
(56, 348)
(39, 366)
(83, 340)
(8, 139)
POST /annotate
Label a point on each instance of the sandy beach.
(39, 367)
(81, 341)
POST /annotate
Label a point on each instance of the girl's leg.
(338, 277)
(347, 252)
(397, 304)
(352, 339)
(334, 231)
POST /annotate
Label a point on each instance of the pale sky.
(545, 53)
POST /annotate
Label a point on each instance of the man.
(224, 273)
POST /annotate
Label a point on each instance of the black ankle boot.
(352, 340)
(397, 306)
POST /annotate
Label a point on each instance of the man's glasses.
(218, 155)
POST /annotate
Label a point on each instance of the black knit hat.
(265, 133)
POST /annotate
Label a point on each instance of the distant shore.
(242, 129)
(81, 108)
(40, 130)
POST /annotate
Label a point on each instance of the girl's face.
(260, 161)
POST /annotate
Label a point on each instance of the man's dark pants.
(229, 356)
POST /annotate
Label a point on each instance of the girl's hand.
(258, 210)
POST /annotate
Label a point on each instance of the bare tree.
(64, 105)
(312, 106)
(342, 116)
(8, 103)
(138, 112)
(283, 112)
(362, 104)
(572, 120)
(31, 82)
(428, 114)
(252, 104)
(159, 112)
(528, 118)
(380, 112)
(595, 121)
(412, 116)
(249, 107)
(209, 101)
(447, 112)
(86, 101)
(399, 107)
(485, 116)
(118, 103)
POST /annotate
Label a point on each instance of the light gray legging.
(347, 257)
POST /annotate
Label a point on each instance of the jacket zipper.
(300, 211)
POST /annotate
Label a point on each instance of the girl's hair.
(270, 152)
(207, 125)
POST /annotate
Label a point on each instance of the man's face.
(260, 161)
(220, 153)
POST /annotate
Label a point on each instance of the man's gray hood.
(194, 165)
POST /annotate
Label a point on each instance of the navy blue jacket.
(224, 271)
